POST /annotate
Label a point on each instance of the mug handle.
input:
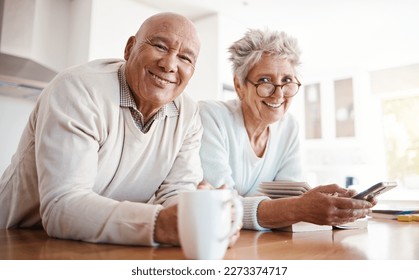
(238, 217)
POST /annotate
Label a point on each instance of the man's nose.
(169, 62)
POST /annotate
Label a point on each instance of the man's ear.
(130, 43)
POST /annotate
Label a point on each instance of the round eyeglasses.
(268, 89)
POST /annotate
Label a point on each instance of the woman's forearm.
(278, 213)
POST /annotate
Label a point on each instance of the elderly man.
(111, 143)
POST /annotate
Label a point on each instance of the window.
(312, 102)
(402, 139)
(398, 91)
(380, 142)
(344, 108)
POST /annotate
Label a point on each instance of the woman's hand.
(323, 205)
(332, 205)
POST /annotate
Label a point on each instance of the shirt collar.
(127, 101)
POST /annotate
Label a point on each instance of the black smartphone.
(375, 190)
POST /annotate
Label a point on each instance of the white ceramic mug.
(205, 222)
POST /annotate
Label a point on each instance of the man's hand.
(206, 186)
(166, 230)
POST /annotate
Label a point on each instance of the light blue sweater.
(228, 158)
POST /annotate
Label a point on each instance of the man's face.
(160, 61)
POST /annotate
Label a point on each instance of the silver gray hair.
(247, 51)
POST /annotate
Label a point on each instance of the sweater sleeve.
(250, 209)
(215, 159)
(69, 131)
(186, 171)
(215, 147)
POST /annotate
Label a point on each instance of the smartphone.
(375, 190)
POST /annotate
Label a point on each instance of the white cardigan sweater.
(86, 170)
(228, 158)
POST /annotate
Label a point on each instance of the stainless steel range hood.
(22, 77)
(19, 76)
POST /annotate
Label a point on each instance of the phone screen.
(375, 190)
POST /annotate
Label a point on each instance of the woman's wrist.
(277, 213)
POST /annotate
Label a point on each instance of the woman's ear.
(238, 88)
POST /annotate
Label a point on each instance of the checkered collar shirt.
(127, 101)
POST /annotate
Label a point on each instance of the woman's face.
(266, 110)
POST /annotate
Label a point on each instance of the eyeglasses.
(267, 89)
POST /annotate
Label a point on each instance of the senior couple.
(110, 144)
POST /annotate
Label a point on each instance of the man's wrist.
(165, 228)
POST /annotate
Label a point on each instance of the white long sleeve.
(227, 156)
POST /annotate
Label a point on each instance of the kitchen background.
(360, 72)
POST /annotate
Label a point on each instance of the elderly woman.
(254, 139)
